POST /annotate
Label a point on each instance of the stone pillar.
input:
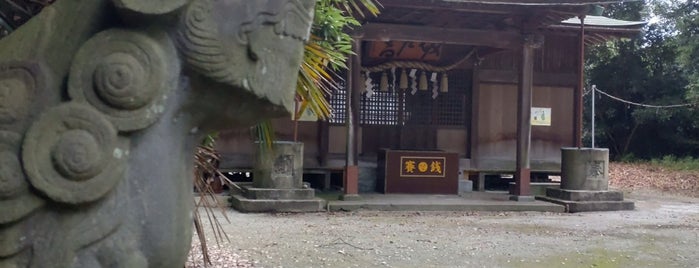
(585, 182)
(585, 169)
(279, 167)
(277, 184)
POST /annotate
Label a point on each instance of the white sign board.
(307, 115)
(541, 116)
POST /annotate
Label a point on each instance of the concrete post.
(585, 169)
(280, 167)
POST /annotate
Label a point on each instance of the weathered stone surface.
(152, 7)
(585, 169)
(588, 206)
(584, 183)
(279, 194)
(582, 195)
(126, 75)
(539, 188)
(277, 184)
(100, 115)
(243, 204)
(280, 167)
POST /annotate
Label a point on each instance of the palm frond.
(207, 173)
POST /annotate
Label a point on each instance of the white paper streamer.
(393, 74)
(413, 78)
(435, 86)
(368, 86)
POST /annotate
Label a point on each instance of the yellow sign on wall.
(420, 166)
(541, 116)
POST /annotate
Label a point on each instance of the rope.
(641, 104)
(417, 65)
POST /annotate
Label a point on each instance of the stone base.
(538, 188)
(350, 197)
(584, 195)
(583, 201)
(279, 194)
(242, 204)
(522, 198)
(465, 186)
(251, 199)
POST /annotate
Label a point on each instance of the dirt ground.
(663, 231)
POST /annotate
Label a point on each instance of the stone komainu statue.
(101, 105)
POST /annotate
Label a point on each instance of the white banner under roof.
(602, 21)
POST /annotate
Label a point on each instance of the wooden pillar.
(323, 142)
(357, 87)
(475, 116)
(354, 77)
(521, 190)
(578, 101)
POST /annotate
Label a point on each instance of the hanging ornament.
(384, 82)
(368, 87)
(393, 78)
(435, 86)
(423, 80)
(364, 78)
(403, 80)
(413, 79)
(444, 85)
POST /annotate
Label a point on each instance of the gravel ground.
(663, 231)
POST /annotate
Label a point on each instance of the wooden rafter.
(386, 32)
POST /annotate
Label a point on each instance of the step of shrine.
(584, 195)
(585, 200)
(587, 206)
(244, 204)
(279, 194)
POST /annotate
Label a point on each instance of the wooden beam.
(497, 3)
(399, 32)
(540, 79)
(573, 7)
(442, 5)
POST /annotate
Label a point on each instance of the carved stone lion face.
(247, 47)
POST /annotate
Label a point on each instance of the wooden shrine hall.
(441, 89)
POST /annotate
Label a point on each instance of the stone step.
(584, 195)
(585, 206)
(243, 204)
(279, 194)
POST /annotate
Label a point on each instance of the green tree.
(654, 69)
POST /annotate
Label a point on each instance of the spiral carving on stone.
(71, 154)
(123, 74)
(201, 44)
(15, 199)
